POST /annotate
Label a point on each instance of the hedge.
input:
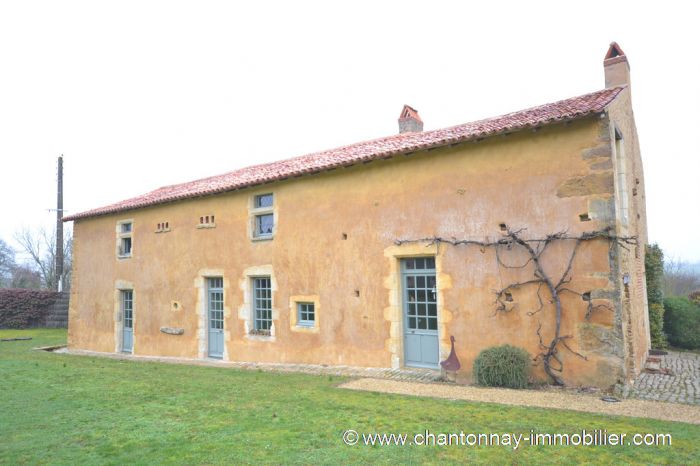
(21, 308)
(656, 326)
(654, 265)
(682, 322)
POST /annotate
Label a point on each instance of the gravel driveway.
(534, 398)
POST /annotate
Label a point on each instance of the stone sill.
(305, 328)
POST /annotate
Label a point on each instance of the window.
(622, 194)
(263, 216)
(421, 294)
(262, 305)
(420, 263)
(263, 200)
(216, 303)
(162, 227)
(128, 308)
(126, 246)
(306, 315)
(124, 240)
(264, 224)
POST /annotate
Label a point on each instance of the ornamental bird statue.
(452, 363)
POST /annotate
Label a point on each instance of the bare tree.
(24, 276)
(680, 278)
(7, 264)
(40, 245)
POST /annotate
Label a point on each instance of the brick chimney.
(409, 121)
(617, 68)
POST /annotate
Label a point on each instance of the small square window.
(126, 227)
(306, 315)
(263, 200)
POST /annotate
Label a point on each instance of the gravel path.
(534, 398)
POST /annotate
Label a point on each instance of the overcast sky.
(142, 94)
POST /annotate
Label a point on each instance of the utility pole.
(59, 227)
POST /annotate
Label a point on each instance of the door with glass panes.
(421, 347)
(215, 312)
(127, 304)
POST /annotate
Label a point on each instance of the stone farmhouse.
(327, 258)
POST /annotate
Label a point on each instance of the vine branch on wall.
(543, 278)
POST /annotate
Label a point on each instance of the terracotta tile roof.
(569, 109)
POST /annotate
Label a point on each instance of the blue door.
(127, 304)
(421, 347)
(215, 311)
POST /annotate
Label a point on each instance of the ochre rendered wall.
(539, 180)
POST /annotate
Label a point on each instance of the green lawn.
(60, 409)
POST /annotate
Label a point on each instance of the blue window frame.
(128, 308)
(216, 303)
(262, 304)
(306, 314)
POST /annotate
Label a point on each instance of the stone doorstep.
(653, 366)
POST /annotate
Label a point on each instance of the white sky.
(140, 94)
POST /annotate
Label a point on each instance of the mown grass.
(62, 409)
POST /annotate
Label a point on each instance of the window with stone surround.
(262, 306)
(621, 182)
(124, 239)
(263, 216)
(306, 314)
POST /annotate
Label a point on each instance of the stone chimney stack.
(617, 68)
(409, 121)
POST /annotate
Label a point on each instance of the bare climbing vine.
(542, 278)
